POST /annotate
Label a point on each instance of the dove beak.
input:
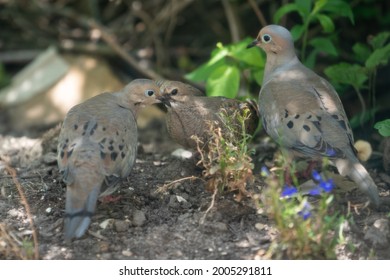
(165, 99)
(254, 43)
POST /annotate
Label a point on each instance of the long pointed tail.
(79, 209)
(356, 171)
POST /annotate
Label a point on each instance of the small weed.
(225, 157)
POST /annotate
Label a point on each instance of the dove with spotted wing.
(302, 111)
(97, 147)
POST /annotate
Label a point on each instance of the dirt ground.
(148, 221)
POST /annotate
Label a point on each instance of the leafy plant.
(383, 127)
(322, 11)
(362, 76)
(222, 72)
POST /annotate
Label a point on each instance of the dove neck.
(127, 101)
(276, 62)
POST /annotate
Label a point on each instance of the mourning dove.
(190, 112)
(302, 111)
(97, 147)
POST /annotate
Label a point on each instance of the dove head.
(275, 40)
(139, 93)
(172, 91)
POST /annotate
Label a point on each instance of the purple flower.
(315, 191)
(305, 212)
(327, 185)
(288, 191)
(316, 175)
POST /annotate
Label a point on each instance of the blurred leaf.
(345, 73)
(379, 40)
(383, 127)
(203, 72)
(362, 117)
(319, 5)
(326, 23)
(223, 81)
(252, 57)
(378, 57)
(285, 10)
(216, 60)
(340, 8)
(362, 51)
(297, 31)
(304, 7)
(310, 60)
(258, 75)
(324, 45)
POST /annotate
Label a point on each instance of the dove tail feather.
(356, 171)
(79, 212)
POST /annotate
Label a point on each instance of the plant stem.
(361, 99)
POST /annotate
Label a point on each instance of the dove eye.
(149, 92)
(266, 38)
(174, 91)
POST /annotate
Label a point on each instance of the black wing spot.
(336, 117)
(86, 125)
(111, 147)
(123, 155)
(111, 142)
(297, 116)
(75, 127)
(306, 127)
(290, 124)
(117, 133)
(70, 153)
(319, 118)
(114, 155)
(102, 155)
(62, 154)
(309, 117)
(285, 113)
(103, 128)
(121, 146)
(343, 125)
(103, 141)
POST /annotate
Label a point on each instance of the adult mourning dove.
(302, 111)
(190, 112)
(97, 147)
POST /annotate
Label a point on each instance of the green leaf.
(310, 60)
(362, 51)
(304, 7)
(379, 40)
(324, 45)
(318, 6)
(326, 23)
(217, 59)
(203, 72)
(257, 75)
(383, 127)
(251, 57)
(345, 73)
(223, 81)
(297, 31)
(339, 8)
(378, 57)
(292, 7)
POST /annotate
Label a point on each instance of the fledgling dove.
(302, 111)
(97, 147)
(190, 112)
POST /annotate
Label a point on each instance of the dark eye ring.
(174, 91)
(266, 38)
(149, 92)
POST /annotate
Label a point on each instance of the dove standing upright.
(190, 112)
(97, 147)
(302, 111)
